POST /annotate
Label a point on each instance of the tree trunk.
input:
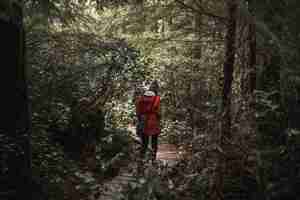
(228, 68)
(15, 153)
(250, 78)
(197, 50)
(252, 57)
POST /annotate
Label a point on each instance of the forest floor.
(127, 174)
(167, 155)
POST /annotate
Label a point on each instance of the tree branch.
(189, 7)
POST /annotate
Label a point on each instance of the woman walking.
(148, 111)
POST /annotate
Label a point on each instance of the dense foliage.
(229, 84)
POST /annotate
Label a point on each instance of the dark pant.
(154, 142)
(140, 126)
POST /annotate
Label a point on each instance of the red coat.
(149, 106)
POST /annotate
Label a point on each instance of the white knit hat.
(149, 93)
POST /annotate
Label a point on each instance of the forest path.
(167, 155)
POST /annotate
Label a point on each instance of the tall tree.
(228, 68)
(15, 155)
